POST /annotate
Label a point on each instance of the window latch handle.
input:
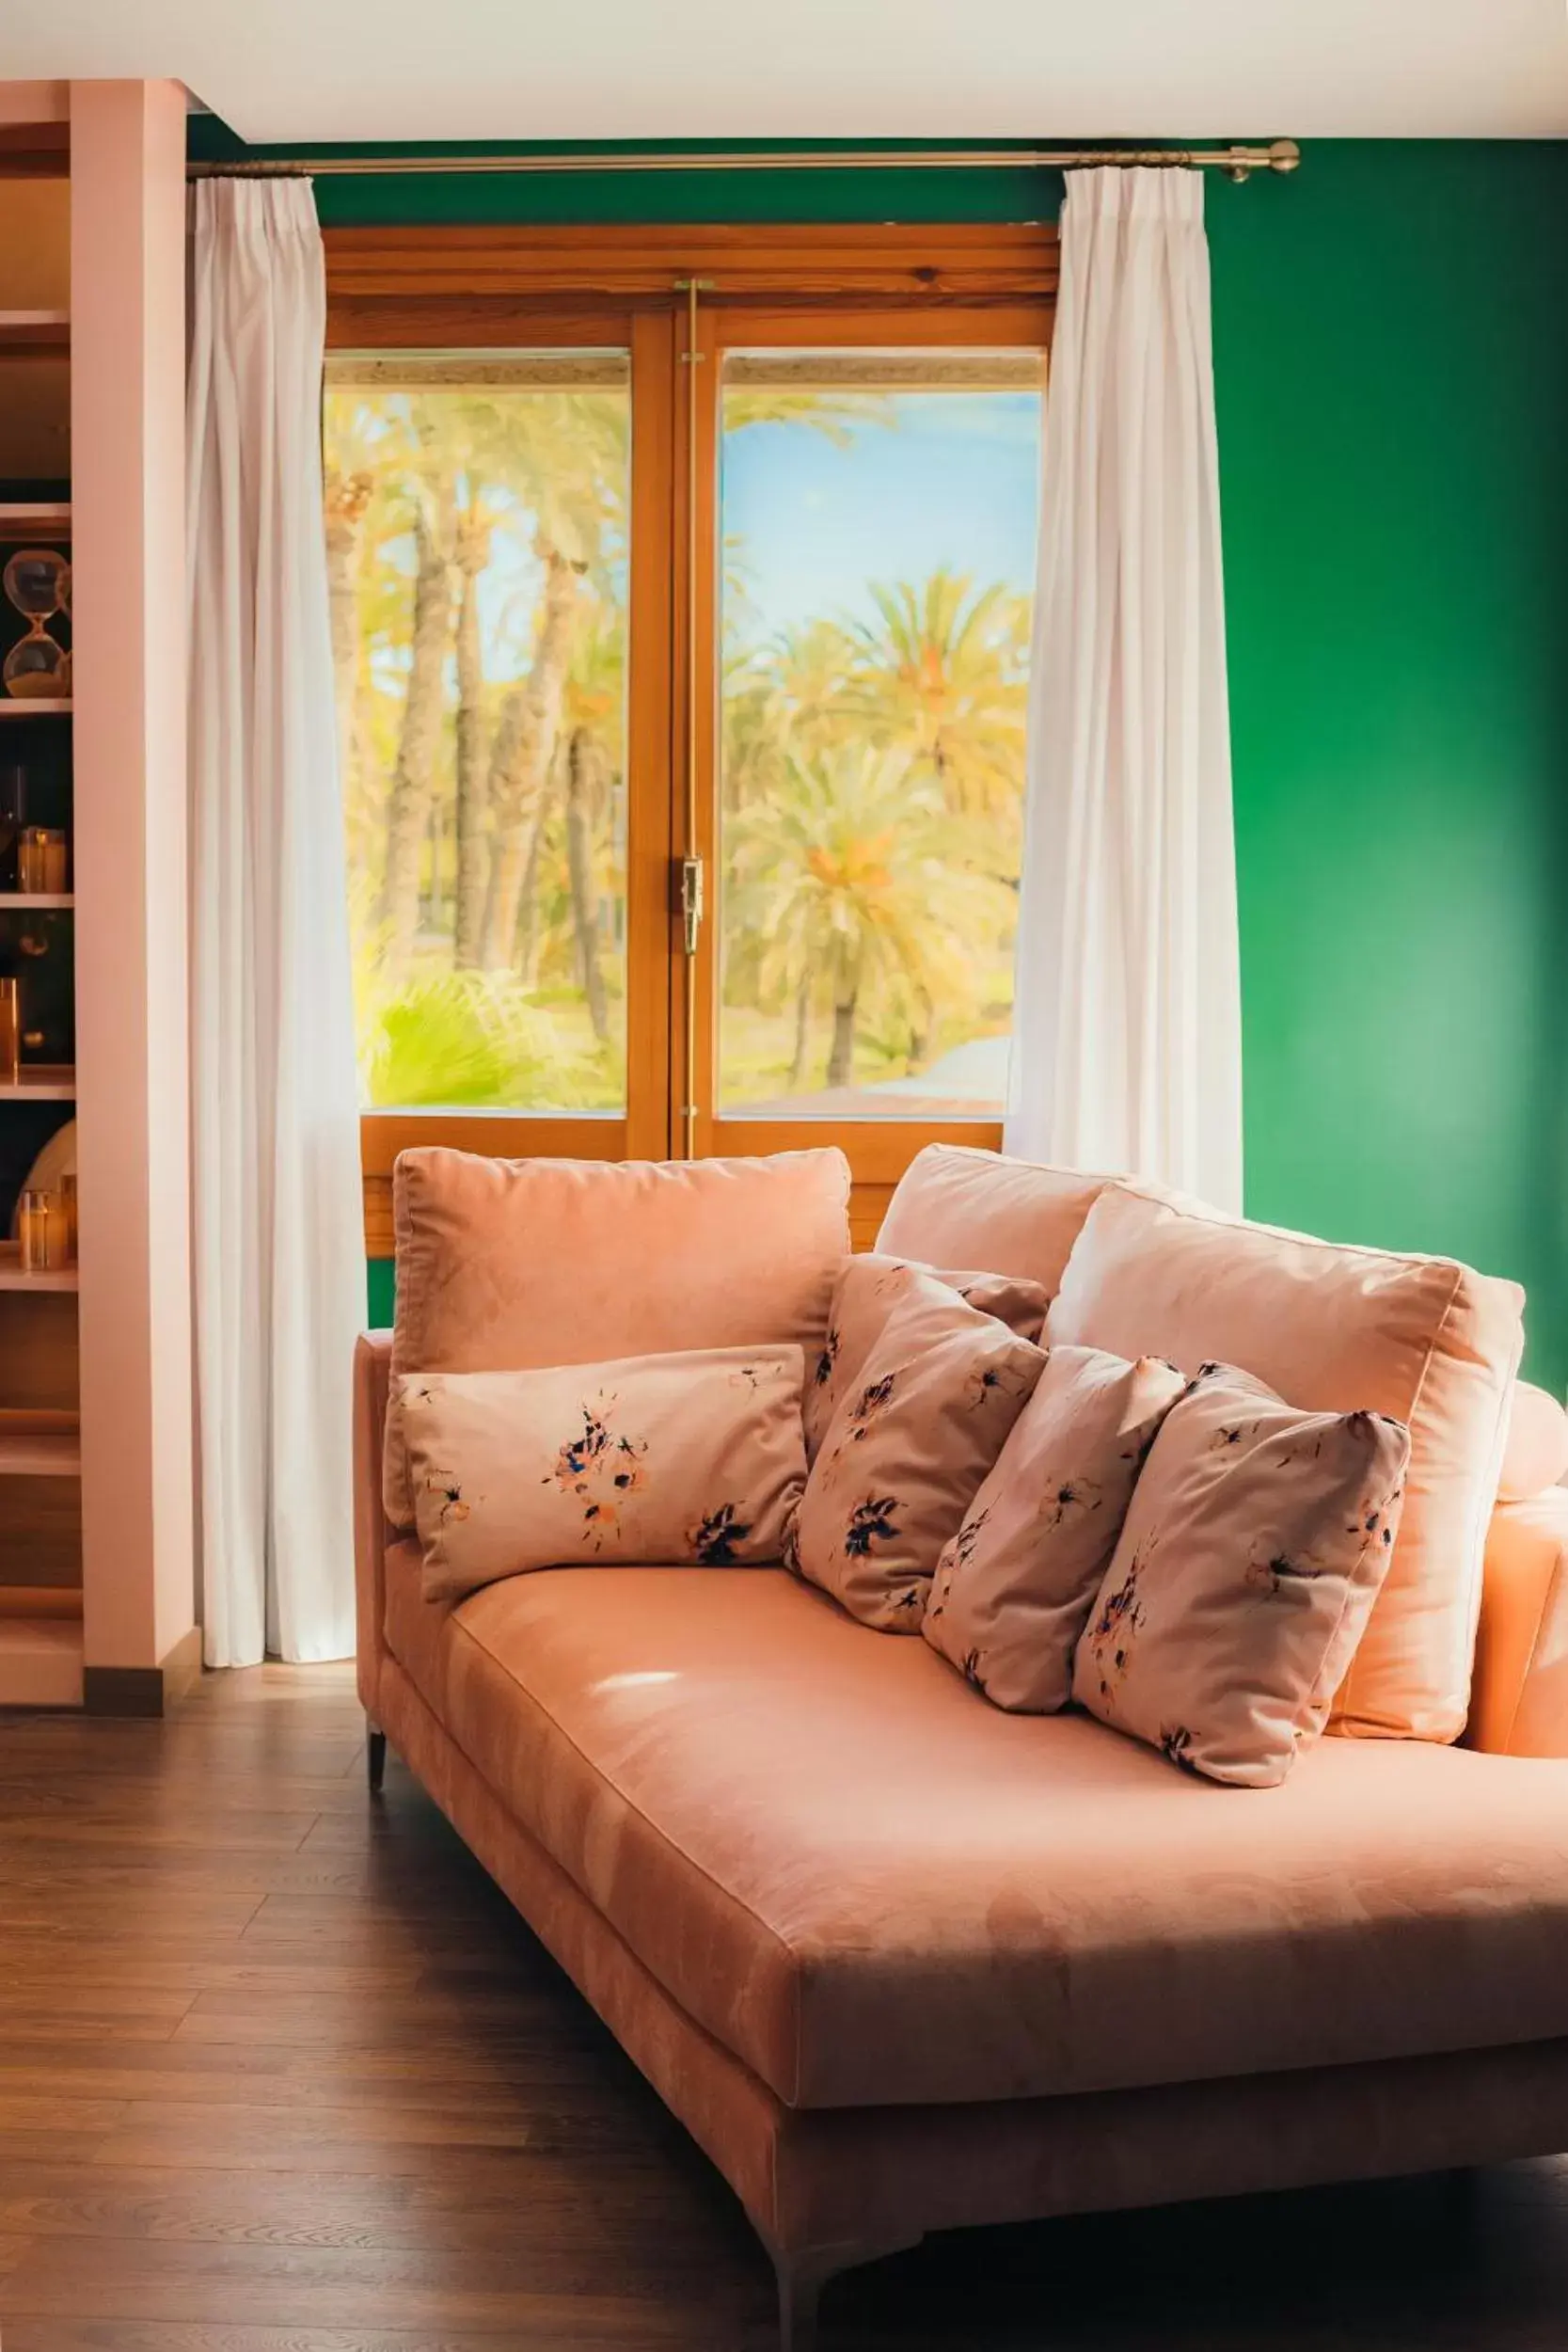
(691, 900)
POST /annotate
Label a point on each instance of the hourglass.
(37, 583)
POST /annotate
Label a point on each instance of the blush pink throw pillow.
(1014, 1588)
(906, 1450)
(1253, 1550)
(867, 1293)
(695, 1458)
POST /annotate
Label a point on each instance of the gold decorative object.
(41, 1229)
(67, 1204)
(37, 583)
(41, 861)
(10, 1032)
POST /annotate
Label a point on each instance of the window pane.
(476, 528)
(878, 518)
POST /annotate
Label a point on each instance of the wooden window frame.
(514, 287)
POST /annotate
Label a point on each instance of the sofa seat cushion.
(875, 1889)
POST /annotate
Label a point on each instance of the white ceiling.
(318, 70)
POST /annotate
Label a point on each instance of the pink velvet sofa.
(901, 1962)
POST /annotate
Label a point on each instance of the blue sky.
(953, 481)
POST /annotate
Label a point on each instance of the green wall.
(1391, 360)
(1391, 357)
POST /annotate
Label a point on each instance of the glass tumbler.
(41, 1229)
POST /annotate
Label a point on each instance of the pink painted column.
(127, 419)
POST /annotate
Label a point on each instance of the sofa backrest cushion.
(1334, 1329)
(509, 1265)
(1536, 1454)
(960, 1207)
(690, 1459)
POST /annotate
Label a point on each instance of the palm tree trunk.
(521, 754)
(842, 1058)
(920, 1032)
(472, 783)
(414, 779)
(579, 871)
(528, 941)
(802, 1030)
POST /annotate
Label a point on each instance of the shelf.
(32, 334)
(36, 1443)
(40, 1662)
(39, 1444)
(41, 1600)
(12, 1278)
(45, 1082)
(40, 519)
(36, 706)
(35, 901)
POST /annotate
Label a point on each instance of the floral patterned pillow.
(1014, 1588)
(865, 1294)
(695, 1458)
(1257, 1540)
(911, 1441)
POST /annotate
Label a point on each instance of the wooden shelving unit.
(41, 1451)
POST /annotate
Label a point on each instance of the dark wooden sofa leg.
(803, 2275)
(375, 1756)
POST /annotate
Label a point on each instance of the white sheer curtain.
(279, 1247)
(1127, 1028)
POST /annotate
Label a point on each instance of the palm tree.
(567, 463)
(472, 555)
(593, 725)
(834, 414)
(853, 878)
(945, 673)
(414, 778)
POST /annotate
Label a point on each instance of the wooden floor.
(280, 2072)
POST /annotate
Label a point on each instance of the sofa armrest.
(373, 1367)
(1519, 1695)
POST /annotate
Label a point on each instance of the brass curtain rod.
(1236, 163)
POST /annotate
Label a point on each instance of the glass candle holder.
(10, 1032)
(41, 861)
(41, 1229)
(67, 1209)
